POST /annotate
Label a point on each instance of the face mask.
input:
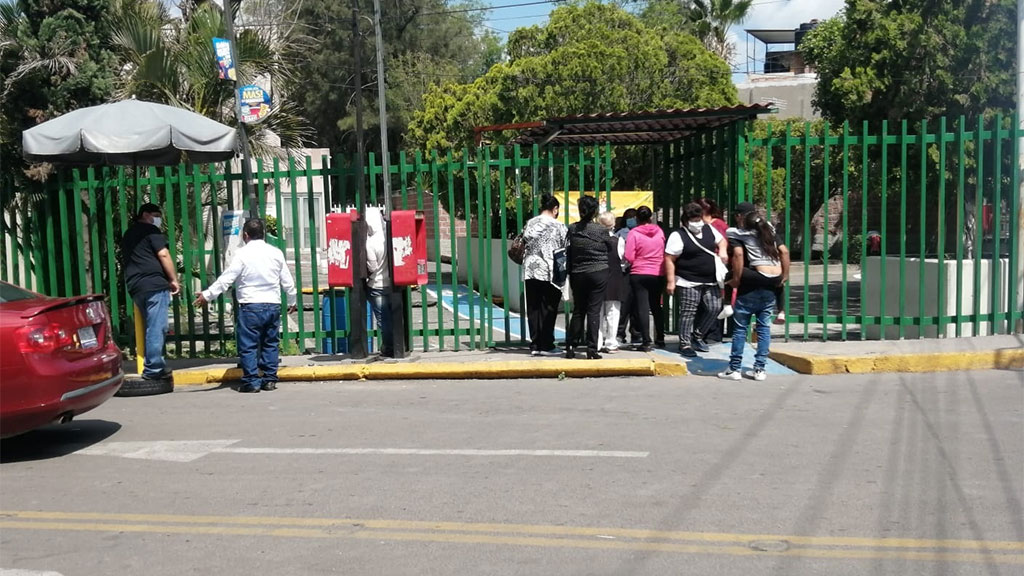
(695, 227)
(157, 221)
(631, 223)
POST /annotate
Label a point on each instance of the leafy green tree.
(426, 41)
(588, 58)
(53, 59)
(171, 61)
(712, 19)
(914, 59)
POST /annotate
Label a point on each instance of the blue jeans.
(381, 306)
(259, 338)
(761, 304)
(154, 313)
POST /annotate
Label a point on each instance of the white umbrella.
(130, 132)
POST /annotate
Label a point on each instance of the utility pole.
(395, 297)
(1020, 167)
(357, 295)
(247, 187)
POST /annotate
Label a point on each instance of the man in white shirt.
(260, 273)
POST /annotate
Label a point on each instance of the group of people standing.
(616, 272)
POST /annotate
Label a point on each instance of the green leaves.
(588, 58)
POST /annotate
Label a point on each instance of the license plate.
(87, 337)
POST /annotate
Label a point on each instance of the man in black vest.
(690, 272)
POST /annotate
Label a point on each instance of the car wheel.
(140, 387)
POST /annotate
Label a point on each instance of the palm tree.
(711, 22)
(171, 61)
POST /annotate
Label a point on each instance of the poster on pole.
(225, 64)
(254, 103)
(231, 222)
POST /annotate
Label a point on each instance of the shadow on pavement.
(56, 440)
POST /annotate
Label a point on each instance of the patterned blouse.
(543, 236)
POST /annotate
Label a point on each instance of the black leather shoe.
(248, 389)
(593, 356)
(688, 352)
(569, 354)
(268, 386)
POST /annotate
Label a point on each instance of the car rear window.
(11, 293)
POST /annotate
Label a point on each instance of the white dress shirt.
(260, 272)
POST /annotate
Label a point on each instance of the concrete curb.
(1000, 359)
(446, 371)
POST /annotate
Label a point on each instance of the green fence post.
(941, 249)
(453, 240)
(961, 207)
(997, 217)
(923, 201)
(884, 265)
(979, 232)
(846, 228)
(865, 190)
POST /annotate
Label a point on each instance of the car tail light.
(44, 339)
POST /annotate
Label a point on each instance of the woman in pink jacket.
(645, 251)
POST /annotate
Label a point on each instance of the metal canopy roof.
(650, 127)
(774, 36)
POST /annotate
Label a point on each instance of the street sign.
(225, 64)
(254, 104)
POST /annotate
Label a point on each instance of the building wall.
(793, 96)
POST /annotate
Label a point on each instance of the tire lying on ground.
(139, 387)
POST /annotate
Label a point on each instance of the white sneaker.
(534, 352)
(730, 375)
(725, 313)
(758, 375)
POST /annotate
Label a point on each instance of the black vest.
(694, 264)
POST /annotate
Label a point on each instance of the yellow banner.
(621, 201)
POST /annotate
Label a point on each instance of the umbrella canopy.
(129, 132)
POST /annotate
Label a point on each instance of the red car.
(57, 358)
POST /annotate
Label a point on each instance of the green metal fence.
(63, 238)
(900, 230)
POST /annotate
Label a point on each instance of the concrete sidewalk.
(930, 355)
(469, 364)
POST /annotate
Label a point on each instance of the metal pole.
(395, 297)
(247, 187)
(1020, 164)
(357, 295)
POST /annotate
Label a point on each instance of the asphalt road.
(901, 474)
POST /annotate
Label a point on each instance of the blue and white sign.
(254, 104)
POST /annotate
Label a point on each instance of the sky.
(781, 14)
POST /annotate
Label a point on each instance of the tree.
(711, 20)
(588, 58)
(53, 59)
(426, 41)
(914, 59)
(171, 61)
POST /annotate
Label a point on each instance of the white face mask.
(157, 221)
(695, 227)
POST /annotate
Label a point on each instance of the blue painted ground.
(460, 300)
(717, 360)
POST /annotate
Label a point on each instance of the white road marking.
(437, 452)
(189, 450)
(16, 572)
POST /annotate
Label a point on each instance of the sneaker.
(688, 352)
(781, 318)
(552, 352)
(756, 374)
(534, 352)
(610, 350)
(730, 375)
(700, 346)
(726, 312)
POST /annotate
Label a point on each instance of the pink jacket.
(645, 250)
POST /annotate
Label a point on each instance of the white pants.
(609, 325)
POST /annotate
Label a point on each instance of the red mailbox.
(409, 242)
(339, 250)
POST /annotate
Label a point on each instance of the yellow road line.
(531, 541)
(563, 531)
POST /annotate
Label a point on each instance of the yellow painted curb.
(446, 371)
(1001, 359)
